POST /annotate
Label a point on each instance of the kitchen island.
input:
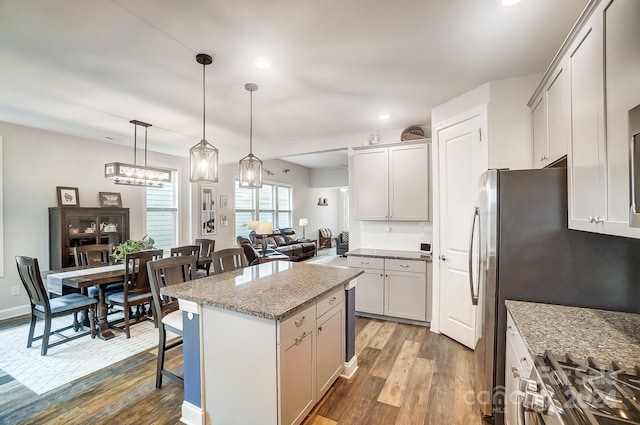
(263, 344)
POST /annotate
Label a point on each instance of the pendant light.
(134, 174)
(250, 165)
(203, 157)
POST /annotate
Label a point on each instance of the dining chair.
(228, 259)
(45, 308)
(136, 290)
(207, 246)
(162, 273)
(93, 255)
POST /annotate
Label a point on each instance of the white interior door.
(462, 159)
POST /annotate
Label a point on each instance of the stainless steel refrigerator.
(523, 250)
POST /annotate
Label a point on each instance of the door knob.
(443, 257)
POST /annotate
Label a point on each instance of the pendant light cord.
(135, 144)
(251, 122)
(204, 66)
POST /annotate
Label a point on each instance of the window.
(271, 203)
(162, 214)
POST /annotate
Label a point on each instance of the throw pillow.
(279, 240)
(290, 239)
(345, 237)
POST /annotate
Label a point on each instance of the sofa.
(285, 241)
(342, 244)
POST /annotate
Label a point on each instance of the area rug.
(70, 361)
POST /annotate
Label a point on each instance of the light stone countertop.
(271, 290)
(604, 335)
(392, 254)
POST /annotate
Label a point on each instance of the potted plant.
(132, 245)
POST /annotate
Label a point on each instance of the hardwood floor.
(407, 376)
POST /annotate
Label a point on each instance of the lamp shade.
(264, 228)
(303, 222)
(253, 225)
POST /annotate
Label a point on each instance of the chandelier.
(134, 174)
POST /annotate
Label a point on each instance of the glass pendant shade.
(203, 157)
(203, 163)
(250, 172)
(250, 166)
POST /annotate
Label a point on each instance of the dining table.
(85, 277)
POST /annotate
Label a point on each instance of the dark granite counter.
(387, 253)
(271, 290)
(604, 335)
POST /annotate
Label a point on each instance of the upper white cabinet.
(549, 120)
(599, 65)
(392, 182)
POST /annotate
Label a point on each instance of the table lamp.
(264, 228)
(304, 222)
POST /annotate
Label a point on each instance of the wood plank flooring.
(407, 376)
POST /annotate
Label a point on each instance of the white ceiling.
(86, 68)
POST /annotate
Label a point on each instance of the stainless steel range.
(562, 390)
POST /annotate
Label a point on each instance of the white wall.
(35, 162)
(510, 122)
(329, 177)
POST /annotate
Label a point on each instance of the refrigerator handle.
(474, 297)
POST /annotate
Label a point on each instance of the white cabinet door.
(406, 295)
(539, 132)
(371, 184)
(518, 364)
(297, 384)
(557, 128)
(586, 157)
(622, 82)
(330, 349)
(409, 182)
(370, 292)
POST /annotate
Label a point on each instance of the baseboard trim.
(350, 368)
(191, 414)
(15, 312)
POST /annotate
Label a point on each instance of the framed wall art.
(68, 196)
(110, 199)
(207, 210)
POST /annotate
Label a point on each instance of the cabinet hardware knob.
(299, 338)
(299, 322)
(320, 329)
(364, 262)
(404, 266)
(443, 257)
(332, 300)
(514, 371)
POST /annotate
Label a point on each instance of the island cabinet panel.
(518, 364)
(271, 372)
(330, 351)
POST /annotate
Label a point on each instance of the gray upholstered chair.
(342, 243)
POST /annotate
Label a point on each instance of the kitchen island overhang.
(263, 344)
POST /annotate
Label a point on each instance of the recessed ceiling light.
(384, 116)
(263, 63)
(510, 2)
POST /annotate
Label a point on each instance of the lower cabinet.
(518, 364)
(310, 355)
(392, 287)
(271, 372)
(296, 377)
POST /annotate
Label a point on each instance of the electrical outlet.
(15, 290)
